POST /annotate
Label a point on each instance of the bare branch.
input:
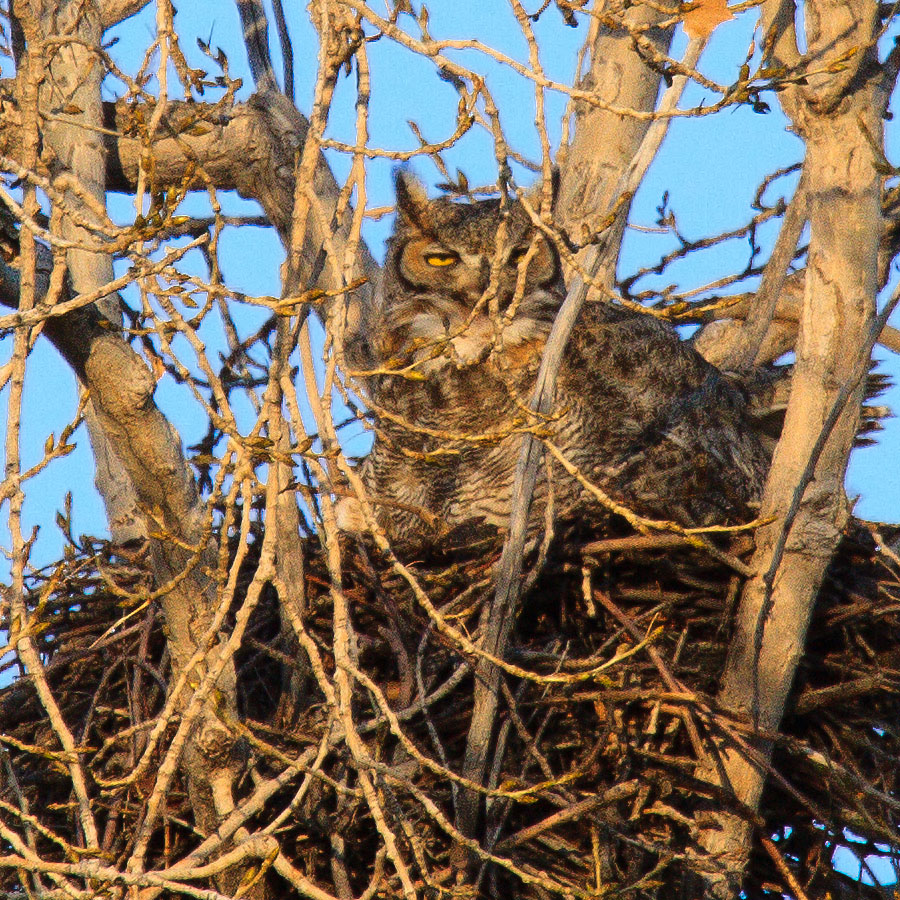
(256, 40)
(502, 613)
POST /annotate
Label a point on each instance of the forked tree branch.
(127, 420)
(250, 148)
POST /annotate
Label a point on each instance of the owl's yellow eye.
(441, 259)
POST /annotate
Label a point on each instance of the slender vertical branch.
(600, 262)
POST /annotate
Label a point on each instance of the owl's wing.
(663, 429)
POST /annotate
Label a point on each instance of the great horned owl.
(467, 300)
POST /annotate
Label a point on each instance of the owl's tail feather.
(768, 390)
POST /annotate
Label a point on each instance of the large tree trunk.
(840, 119)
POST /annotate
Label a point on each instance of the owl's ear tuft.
(412, 201)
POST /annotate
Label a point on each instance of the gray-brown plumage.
(638, 412)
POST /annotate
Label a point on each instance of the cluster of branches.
(383, 766)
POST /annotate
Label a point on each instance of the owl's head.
(449, 247)
(439, 265)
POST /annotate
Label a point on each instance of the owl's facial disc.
(543, 267)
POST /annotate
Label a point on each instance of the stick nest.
(593, 787)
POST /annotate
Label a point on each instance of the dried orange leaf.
(158, 367)
(704, 16)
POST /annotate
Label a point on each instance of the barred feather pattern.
(638, 412)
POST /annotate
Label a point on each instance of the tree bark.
(840, 118)
(114, 11)
(604, 140)
(75, 149)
